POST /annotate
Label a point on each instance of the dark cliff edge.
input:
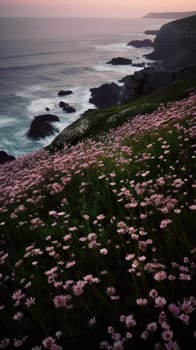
(175, 43)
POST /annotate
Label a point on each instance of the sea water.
(41, 56)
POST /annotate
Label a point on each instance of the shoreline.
(119, 72)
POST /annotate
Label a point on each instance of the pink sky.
(91, 8)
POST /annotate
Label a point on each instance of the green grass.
(101, 121)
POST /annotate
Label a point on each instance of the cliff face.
(175, 43)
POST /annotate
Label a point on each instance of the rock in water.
(66, 107)
(151, 32)
(5, 157)
(142, 64)
(120, 61)
(141, 43)
(65, 92)
(105, 96)
(41, 126)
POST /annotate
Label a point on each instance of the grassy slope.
(125, 248)
(101, 121)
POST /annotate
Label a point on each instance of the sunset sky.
(91, 8)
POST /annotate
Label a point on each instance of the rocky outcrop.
(5, 157)
(120, 61)
(175, 44)
(41, 126)
(65, 92)
(151, 79)
(139, 84)
(66, 107)
(141, 43)
(106, 95)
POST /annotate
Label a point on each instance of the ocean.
(41, 56)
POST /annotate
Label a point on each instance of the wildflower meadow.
(97, 241)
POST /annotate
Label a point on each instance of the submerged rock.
(120, 61)
(65, 92)
(142, 64)
(66, 107)
(5, 157)
(41, 126)
(141, 43)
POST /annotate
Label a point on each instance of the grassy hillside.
(97, 242)
(96, 122)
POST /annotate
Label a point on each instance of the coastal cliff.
(175, 43)
(174, 75)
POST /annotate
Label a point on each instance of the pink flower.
(4, 343)
(187, 306)
(144, 335)
(164, 223)
(62, 301)
(153, 293)
(160, 276)
(141, 301)
(184, 277)
(151, 327)
(70, 264)
(160, 302)
(78, 289)
(18, 316)
(86, 217)
(18, 295)
(30, 301)
(172, 346)
(118, 345)
(167, 335)
(192, 207)
(184, 318)
(49, 343)
(129, 321)
(110, 291)
(174, 309)
(100, 217)
(103, 251)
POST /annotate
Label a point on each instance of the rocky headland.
(175, 43)
(169, 15)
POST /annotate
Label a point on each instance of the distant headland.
(170, 15)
